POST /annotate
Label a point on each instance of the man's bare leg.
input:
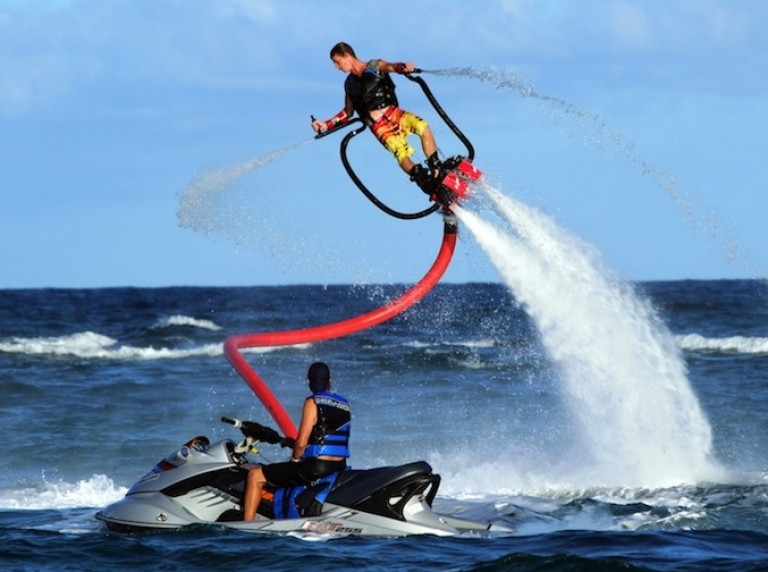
(407, 164)
(252, 497)
(428, 142)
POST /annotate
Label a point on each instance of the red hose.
(233, 344)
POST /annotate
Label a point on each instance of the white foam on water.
(96, 491)
(732, 344)
(189, 321)
(92, 345)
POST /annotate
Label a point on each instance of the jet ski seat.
(357, 486)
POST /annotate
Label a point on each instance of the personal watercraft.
(203, 483)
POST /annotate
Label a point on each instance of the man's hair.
(319, 376)
(342, 49)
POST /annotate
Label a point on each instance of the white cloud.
(725, 24)
(259, 11)
(630, 27)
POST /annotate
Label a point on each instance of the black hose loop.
(371, 197)
(441, 112)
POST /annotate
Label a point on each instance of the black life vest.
(371, 91)
(330, 435)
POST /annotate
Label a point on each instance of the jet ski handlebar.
(259, 432)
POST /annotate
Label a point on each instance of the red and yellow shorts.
(393, 128)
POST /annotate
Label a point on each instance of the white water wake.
(96, 491)
(622, 378)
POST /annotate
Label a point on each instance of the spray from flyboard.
(622, 379)
(203, 206)
(595, 131)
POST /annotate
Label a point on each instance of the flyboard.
(203, 482)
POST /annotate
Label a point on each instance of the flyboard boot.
(447, 181)
(423, 178)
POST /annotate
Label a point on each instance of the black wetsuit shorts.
(302, 473)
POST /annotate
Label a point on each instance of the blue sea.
(603, 425)
(98, 385)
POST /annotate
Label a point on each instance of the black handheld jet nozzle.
(335, 128)
(319, 134)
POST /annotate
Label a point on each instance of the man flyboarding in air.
(370, 92)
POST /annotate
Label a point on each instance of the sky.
(636, 125)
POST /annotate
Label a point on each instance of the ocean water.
(654, 471)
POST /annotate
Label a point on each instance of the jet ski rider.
(321, 446)
(370, 92)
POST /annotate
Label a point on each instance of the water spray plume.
(200, 208)
(612, 143)
(622, 378)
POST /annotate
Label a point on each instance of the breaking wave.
(733, 344)
(187, 321)
(91, 345)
